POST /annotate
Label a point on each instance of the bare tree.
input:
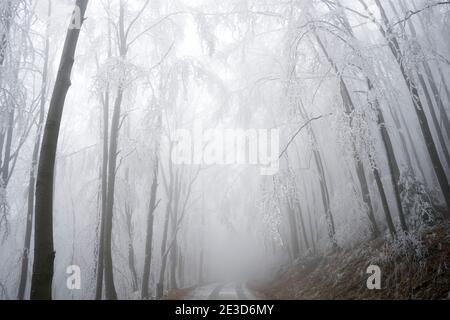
(149, 231)
(394, 46)
(34, 163)
(44, 254)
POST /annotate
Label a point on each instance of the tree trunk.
(311, 230)
(431, 80)
(181, 269)
(394, 171)
(160, 285)
(173, 244)
(101, 240)
(400, 123)
(325, 199)
(7, 155)
(44, 255)
(404, 143)
(131, 259)
(302, 226)
(201, 277)
(349, 108)
(171, 189)
(385, 204)
(149, 233)
(110, 290)
(394, 174)
(434, 117)
(104, 187)
(293, 230)
(418, 107)
(323, 184)
(5, 35)
(34, 162)
(2, 142)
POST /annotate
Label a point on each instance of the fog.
(217, 141)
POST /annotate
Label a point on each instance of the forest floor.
(214, 291)
(179, 294)
(412, 267)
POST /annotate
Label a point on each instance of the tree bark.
(149, 233)
(44, 254)
(293, 230)
(110, 290)
(322, 182)
(8, 144)
(131, 258)
(101, 240)
(5, 35)
(394, 170)
(302, 226)
(34, 162)
(171, 189)
(104, 187)
(174, 231)
(402, 127)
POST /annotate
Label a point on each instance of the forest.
(234, 149)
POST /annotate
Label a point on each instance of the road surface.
(228, 291)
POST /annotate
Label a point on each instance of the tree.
(7, 13)
(16, 55)
(34, 163)
(44, 255)
(105, 100)
(123, 43)
(349, 109)
(149, 231)
(396, 51)
(394, 171)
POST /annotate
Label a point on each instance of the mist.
(198, 144)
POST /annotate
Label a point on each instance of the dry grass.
(342, 274)
(179, 294)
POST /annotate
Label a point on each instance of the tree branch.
(298, 132)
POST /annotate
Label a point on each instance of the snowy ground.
(221, 291)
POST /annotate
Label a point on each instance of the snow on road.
(221, 291)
